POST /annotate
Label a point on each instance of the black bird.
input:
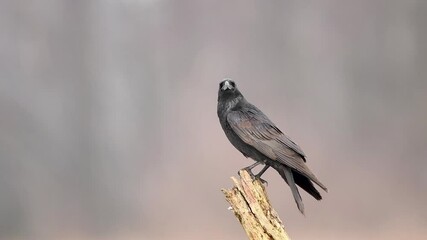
(256, 137)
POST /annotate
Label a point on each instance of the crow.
(251, 132)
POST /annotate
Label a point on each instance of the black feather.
(254, 135)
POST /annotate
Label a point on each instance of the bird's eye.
(233, 84)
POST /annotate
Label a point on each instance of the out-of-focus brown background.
(108, 126)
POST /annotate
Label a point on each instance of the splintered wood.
(250, 204)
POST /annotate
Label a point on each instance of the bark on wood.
(250, 204)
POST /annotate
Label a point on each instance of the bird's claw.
(253, 176)
(264, 182)
(247, 170)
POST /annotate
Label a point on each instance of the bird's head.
(228, 92)
(227, 85)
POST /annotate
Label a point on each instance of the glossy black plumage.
(251, 132)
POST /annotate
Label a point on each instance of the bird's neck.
(226, 106)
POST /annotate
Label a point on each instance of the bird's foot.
(247, 170)
(261, 180)
(253, 176)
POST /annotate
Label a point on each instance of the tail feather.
(305, 183)
(287, 175)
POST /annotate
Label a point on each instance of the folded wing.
(255, 129)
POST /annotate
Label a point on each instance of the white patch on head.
(226, 85)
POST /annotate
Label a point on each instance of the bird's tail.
(288, 176)
(305, 183)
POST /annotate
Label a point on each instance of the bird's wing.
(288, 142)
(255, 129)
(261, 118)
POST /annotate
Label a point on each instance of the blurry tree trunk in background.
(251, 206)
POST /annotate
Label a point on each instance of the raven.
(251, 132)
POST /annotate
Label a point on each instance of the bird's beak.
(226, 86)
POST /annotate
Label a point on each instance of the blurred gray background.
(108, 126)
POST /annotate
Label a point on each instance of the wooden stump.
(250, 204)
